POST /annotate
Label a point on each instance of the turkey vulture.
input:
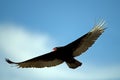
(65, 53)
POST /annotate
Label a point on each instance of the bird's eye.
(54, 49)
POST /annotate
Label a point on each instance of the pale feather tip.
(100, 26)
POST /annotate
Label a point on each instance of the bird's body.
(65, 53)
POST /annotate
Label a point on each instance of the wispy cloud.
(60, 73)
(20, 44)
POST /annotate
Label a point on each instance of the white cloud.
(20, 44)
(64, 73)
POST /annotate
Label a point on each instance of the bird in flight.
(65, 53)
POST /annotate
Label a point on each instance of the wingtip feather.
(9, 61)
(100, 26)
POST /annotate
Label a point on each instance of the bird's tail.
(72, 63)
(10, 62)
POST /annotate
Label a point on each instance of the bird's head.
(56, 48)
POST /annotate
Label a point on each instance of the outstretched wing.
(46, 60)
(83, 43)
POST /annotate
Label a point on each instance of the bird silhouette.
(65, 53)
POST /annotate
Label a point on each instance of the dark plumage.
(65, 53)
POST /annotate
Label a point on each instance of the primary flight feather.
(65, 53)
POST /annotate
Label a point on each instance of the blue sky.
(30, 28)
